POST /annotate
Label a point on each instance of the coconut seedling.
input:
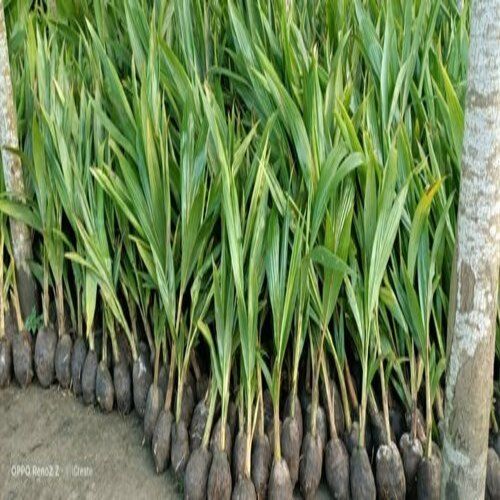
(17, 352)
(245, 235)
(314, 443)
(336, 458)
(73, 285)
(79, 347)
(420, 277)
(292, 428)
(196, 219)
(104, 390)
(89, 367)
(314, 440)
(223, 346)
(331, 256)
(335, 344)
(138, 292)
(187, 335)
(22, 343)
(261, 459)
(122, 380)
(155, 394)
(329, 221)
(283, 272)
(248, 310)
(198, 422)
(376, 229)
(46, 341)
(200, 460)
(410, 443)
(406, 382)
(261, 448)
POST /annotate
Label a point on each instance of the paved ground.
(53, 447)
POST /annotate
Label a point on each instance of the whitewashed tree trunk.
(473, 298)
(14, 183)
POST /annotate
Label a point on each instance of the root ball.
(197, 427)
(337, 406)
(161, 441)
(153, 408)
(379, 436)
(142, 378)
(45, 352)
(337, 469)
(187, 404)
(123, 387)
(290, 447)
(89, 378)
(297, 415)
(239, 452)
(219, 478)
(244, 490)
(492, 475)
(261, 463)
(411, 454)
(104, 390)
(361, 475)
(280, 486)
(77, 362)
(179, 453)
(216, 439)
(390, 476)
(22, 358)
(311, 465)
(429, 478)
(196, 475)
(5, 362)
(321, 424)
(63, 361)
(163, 379)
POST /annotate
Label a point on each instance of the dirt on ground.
(51, 447)
(54, 447)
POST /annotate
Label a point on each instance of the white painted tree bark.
(13, 175)
(473, 298)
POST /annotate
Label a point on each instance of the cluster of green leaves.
(265, 173)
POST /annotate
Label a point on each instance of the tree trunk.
(474, 294)
(14, 183)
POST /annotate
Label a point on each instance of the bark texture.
(473, 298)
(13, 175)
